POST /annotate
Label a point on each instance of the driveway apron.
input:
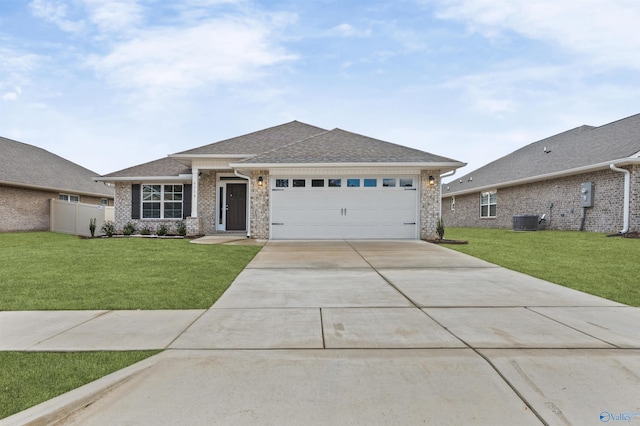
(381, 332)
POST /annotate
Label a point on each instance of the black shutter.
(186, 201)
(135, 201)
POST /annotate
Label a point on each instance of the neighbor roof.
(339, 146)
(569, 152)
(29, 166)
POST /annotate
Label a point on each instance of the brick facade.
(23, 209)
(260, 205)
(429, 203)
(558, 198)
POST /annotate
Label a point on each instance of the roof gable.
(577, 148)
(259, 142)
(163, 167)
(26, 165)
(339, 146)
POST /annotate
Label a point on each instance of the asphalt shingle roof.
(580, 147)
(339, 146)
(163, 167)
(27, 165)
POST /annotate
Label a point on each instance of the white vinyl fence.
(73, 218)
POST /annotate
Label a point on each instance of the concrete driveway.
(378, 332)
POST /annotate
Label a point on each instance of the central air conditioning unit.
(525, 222)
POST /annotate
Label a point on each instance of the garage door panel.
(342, 213)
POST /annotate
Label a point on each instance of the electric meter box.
(586, 194)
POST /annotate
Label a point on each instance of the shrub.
(92, 226)
(162, 231)
(129, 229)
(440, 228)
(108, 228)
(182, 229)
(145, 231)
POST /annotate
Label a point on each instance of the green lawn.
(608, 267)
(48, 271)
(28, 378)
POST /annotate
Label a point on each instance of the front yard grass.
(585, 261)
(28, 378)
(48, 271)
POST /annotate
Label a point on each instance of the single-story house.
(30, 177)
(292, 181)
(587, 178)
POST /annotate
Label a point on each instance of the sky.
(109, 84)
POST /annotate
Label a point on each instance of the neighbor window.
(104, 201)
(162, 201)
(69, 198)
(488, 204)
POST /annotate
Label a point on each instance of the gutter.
(627, 198)
(237, 173)
(531, 179)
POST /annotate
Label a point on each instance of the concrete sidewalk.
(359, 332)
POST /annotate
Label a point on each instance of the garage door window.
(317, 183)
(388, 182)
(282, 183)
(353, 183)
(406, 183)
(298, 183)
(335, 183)
(370, 183)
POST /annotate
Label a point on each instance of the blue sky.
(113, 83)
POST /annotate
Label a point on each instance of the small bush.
(182, 229)
(162, 231)
(145, 231)
(108, 228)
(92, 226)
(440, 228)
(129, 229)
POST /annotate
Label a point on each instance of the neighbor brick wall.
(429, 203)
(23, 209)
(536, 198)
(260, 219)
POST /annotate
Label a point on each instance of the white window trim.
(162, 201)
(489, 204)
(67, 198)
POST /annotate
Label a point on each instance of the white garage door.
(344, 208)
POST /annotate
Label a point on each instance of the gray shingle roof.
(163, 167)
(260, 141)
(27, 165)
(580, 147)
(339, 146)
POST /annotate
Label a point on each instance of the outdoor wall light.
(432, 180)
(260, 181)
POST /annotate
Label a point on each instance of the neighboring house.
(576, 180)
(293, 181)
(30, 177)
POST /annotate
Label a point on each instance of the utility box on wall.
(586, 194)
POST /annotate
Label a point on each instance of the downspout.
(627, 198)
(237, 173)
(451, 173)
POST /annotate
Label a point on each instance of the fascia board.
(532, 179)
(420, 165)
(179, 178)
(54, 189)
(213, 156)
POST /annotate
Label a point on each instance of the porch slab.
(460, 287)
(510, 328)
(384, 328)
(254, 329)
(619, 326)
(285, 387)
(21, 330)
(580, 387)
(122, 331)
(310, 288)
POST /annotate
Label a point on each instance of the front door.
(236, 207)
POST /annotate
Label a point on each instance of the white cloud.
(603, 30)
(10, 96)
(207, 53)
(347, 30)
(56, 12)
(113, 15)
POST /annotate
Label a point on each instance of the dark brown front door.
(236, 206)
